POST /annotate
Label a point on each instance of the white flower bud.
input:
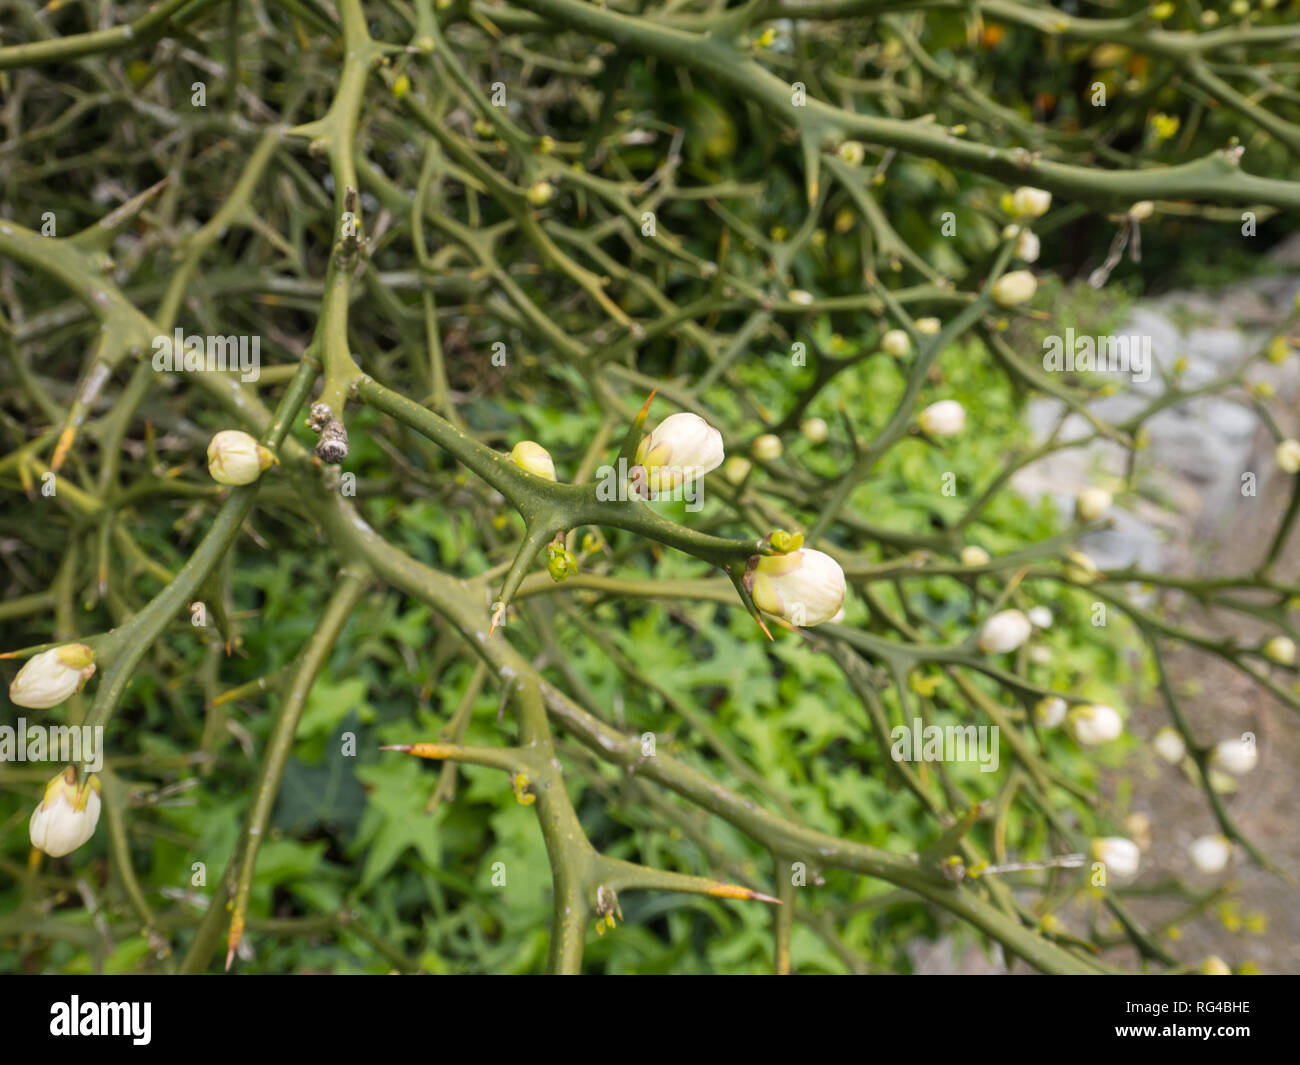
(1169, 745)
(974, 555)
(681, 448)
(1280, 649)
(52, 676)
(531, 456)
(1028, 246)
(1095, 724)
(928, 326)
(234, 457)
(767, 448)
(1004, 631)
(1040, 617)
(67, 816)
(805, 587)
(1030, 203)
(1050, 711)
(1215, 966)
(1210, 854)
(1235, 756)
(799, 296)
(1142, 210)
(1092, 503)
(945, 418)
(896, 343)
(1120, 856)
(1288, 456)
(815, 429)
(1014, 288)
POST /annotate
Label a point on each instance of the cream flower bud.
(531, 456)
(928, 326)
(1142, 210)
(1280, 649)
(736, 469)
(540, 193)
(1288, 456)
(681, 448)
(1095, 724)
(1080, 568)
(1215, 966)
(1004, 631)
(1235, 756)
(1092, 503)
(234, 457)
(974, 555)
(1210, 854)
(799, 296)
(1138, 827)
(1028, 246)
(815, 429)
(1120, 856)
(1014, 288)
(67, 815)
(852, 152)
(1050, 711)
(1040, 617)
(1169, 745)
(52, 676)
(896, 343)
(1030, 203)
(767, 448)
(805, 587)
(945, 418)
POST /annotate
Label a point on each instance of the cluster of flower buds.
(560, 562)
(50, 677)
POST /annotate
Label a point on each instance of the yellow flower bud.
(531, 456)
